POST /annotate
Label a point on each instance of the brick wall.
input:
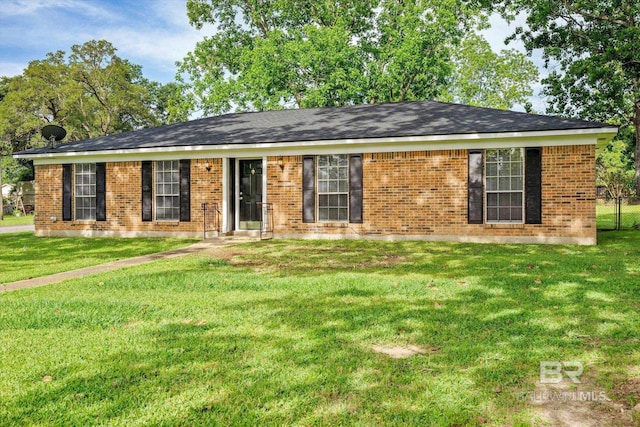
(420, 194)
(424, 194)
(124, 201)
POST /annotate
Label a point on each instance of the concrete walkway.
(114, 265)
(16, 228)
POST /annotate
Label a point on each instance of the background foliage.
(290, 53)
(591, 49)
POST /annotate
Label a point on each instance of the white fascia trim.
(343, 146)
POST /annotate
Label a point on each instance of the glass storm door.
(250, 194)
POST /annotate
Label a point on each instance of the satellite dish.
(53, 133)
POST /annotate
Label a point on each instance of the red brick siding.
(421, 193)
(425, 193)
(124, 199)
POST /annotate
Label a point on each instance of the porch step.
(253, 234)
(236, 236)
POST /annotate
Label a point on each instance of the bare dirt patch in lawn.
(398, 352)
(225, 253)
(585, 405)
(273, 258)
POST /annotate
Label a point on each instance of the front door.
(250, 214)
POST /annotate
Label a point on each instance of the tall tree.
(166, 102)
(90, 92)
(485, 78)
(594, 44)
(295, 53)
(107, 93)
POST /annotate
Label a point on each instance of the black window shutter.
(67, 183)
(308, 189)
(101, 190)
(355, 188)
(147, 194)
(185, 190)
(475, 196)
(533, 186)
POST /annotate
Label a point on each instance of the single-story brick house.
(413, 170)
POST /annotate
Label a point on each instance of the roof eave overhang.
(593, 136)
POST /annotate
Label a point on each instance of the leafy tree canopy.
(90, 92)
(294, 53)
(614, 171)
(484, 78)
(592, 48)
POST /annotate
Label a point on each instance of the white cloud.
(154, 34)
(160, 44)
(10, 69)
(164, 38)
(30, 7)
(500, 30)
(172, 12)
(160, 47)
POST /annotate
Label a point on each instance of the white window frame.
(337, 181)
(163, 169)
(499, 191)
(84, 188)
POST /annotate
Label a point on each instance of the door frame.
(234, 217)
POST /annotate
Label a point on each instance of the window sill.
(167, 222)
(334, 224)
(505, 224)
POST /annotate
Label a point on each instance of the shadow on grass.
(288, 340)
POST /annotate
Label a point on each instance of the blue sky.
(151, 33)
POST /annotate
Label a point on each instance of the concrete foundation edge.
(554, 240)
(101, 233)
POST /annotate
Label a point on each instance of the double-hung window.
(166, 194)
(85, 191)
(504, 184)
(167, 190)
(333, 187)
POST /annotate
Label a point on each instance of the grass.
(605, 216)
(8, 220)
(24, 256)
(281, 333)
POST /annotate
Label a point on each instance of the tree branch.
(571, 9)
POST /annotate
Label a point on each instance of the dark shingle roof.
(351, 122)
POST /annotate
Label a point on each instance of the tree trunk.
(636, 123)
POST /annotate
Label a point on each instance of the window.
(85, 191)
(333, 188)
(504, 185)
(167, 190)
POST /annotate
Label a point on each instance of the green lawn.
(24, 255)
(282, 333)
(16, 220)
(630, 216)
